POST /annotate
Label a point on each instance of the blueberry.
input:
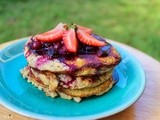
(56, 46)
(50, 52)
(90, 49)
(106, 48)
(39, 52)
(36, 45)
(85, 49)
(53, 52)
(48, 44)
(104, 51)
(29, 45)
(98, 37)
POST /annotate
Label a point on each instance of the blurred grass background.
(136, 23)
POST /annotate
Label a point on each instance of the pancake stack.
(58, 70)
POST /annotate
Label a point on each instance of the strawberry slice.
(85, 29)
(56, 35)
(88, 39)
(70, 40)
(59, 26)
(52, 35)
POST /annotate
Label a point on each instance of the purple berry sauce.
(58, 49)
(41, 60)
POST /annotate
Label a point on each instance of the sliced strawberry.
(52, 35)
(56, 35)
(59, 26)
(85, 29)
(70, 40)
(88, 39)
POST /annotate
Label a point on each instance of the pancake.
(93, 62)
(71, 62)
(86, 92)
(85, 87)
(64, 80)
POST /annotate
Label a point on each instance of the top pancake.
(96, 60)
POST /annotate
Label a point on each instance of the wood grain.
(146, 108)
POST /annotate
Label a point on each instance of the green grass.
(136, 23)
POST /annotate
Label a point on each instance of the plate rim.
(28, 113)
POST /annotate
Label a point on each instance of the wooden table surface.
(146, 108)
